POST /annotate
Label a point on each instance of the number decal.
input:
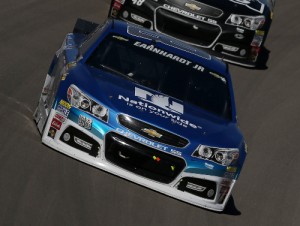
(138, 2)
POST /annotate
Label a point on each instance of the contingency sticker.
(52, 132)
(85, 122)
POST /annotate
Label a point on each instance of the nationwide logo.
(192, 6)
(161, 101)
(152, 133)
(159, 105)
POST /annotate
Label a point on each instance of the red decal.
(56, 123)
(60, 117)
(117, 5)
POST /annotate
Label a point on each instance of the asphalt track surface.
(39, 186)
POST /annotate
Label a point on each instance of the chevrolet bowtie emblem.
(192, 6)
(152, 133)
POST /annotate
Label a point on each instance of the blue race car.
(145, 107)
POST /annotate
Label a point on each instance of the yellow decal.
(259, 32)
(231, 169)
(65, 104)
(64, 76)
(152, 133)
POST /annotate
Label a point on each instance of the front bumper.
(181, 187)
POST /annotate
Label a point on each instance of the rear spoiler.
(84, 27)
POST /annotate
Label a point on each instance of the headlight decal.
(84, 103)
(222, 156)
(248, 22)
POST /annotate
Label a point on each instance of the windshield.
(163, 71)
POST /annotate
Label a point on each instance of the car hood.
(123, 96)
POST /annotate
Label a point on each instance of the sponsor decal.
(85, 122)
(209, 166)
(260, 32)
(230, 48)
(152, 133)
(147, 142)
(71, 65)
(195, 187)
(47, 85)
(60, 117)
(159, 105)
(240, 30)
(175, 152)
(231, 169)
(46, 90)
(226, 183)
(64, 76)
(239, 36)
(172, 56)
(138, 2)
(255, 5)
(117, 5)
(55, 123)
(161, 101)
(229, 175)
(65, 104)
(63, 110)
(52, 132)
(83, 143)
(138, 18)
(114, 12)
(189, 14)
(192, 6)
(223, 193)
